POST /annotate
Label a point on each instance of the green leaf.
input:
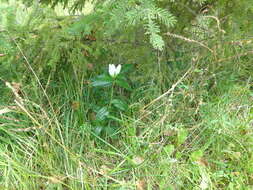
(182, 136)
(123, 84)
(120, 104)
(179, 155)
(196, 155)
(114, 118)
(102, 81)
(169, 149)
(102, 114)
(98, 130)
(111, 132)
(127, 68)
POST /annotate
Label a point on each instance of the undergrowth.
(180, 118)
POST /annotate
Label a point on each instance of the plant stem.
(112, 91)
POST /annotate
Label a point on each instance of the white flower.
(113, 70)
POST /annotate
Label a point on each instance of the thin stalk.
(112, 91)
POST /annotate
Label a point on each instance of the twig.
(218, 23)
(124, 42)
(235, 56)
(189, 40)
(15, 92)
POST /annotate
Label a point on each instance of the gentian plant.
(109, 87)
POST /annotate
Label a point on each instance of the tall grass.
(189, 126)
(168, 149)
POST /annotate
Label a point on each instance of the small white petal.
(118, 68)
(112, 70)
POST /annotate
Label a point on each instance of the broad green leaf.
(123, 83)
(120, 104)
(102, 114)
(102, 81)
(98, 130)
(169, 149)
(196, 155)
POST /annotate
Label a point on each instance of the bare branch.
(189, 40)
